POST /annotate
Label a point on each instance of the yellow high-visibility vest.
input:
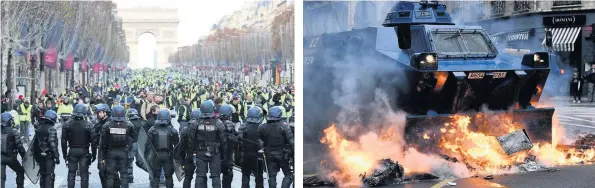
(26, 113)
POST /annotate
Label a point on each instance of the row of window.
(498, 8)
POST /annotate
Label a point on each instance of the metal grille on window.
(522, 5)
(498, 7)
(566, 3)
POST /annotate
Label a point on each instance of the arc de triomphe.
(162, 23)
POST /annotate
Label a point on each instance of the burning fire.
(477, 150)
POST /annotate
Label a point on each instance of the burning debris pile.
(388, 172)
(586, 141)
(382, 158)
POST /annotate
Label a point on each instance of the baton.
(265, 163)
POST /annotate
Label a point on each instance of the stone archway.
(162, 23)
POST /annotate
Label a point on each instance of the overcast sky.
(196, 16)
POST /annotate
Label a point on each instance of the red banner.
(97, 67)
(50, 57)
(84, 65)
(279, 68)
(104, 68)
(68, 64)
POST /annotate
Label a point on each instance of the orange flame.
(478, 149)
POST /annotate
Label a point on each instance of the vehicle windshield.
(461, 42)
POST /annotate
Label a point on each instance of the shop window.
(498, 7)
(522, 5)
(566, 3)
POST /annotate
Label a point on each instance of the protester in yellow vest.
(25, 118)
(65, 107)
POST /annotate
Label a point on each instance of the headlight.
(430, 58)
(425, 61)
(536, 60)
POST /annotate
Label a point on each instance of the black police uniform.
(250, 163)
(11, 146)
(150, 122)
(164, 138)
(99, 126)
(117, 136)
(46, 152)
(275, 136)
(229, 151)
(138, 124)
(187, 149)
(210, 139)
(78, 134)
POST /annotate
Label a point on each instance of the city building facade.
(522, 26)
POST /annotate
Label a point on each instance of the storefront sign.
(579, 20)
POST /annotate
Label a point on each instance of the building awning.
(511, 36)
(563, 38)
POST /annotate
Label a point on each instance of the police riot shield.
(31, 166)
(178, 169)
(148, 155)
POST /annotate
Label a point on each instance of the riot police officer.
(249, 147)
(116, 140)
(164, 138)
(136, 121)
(186, 150)
(78, 134)
(275, 136)
(225, 113)
(11, 146)
(46, 148)
(103, 112)
(210, 138)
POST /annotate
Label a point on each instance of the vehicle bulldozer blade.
(423, 132)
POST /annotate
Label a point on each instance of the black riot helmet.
(102, 107)
(274, 114)
(163, 117)
(50, 115)
(118, 113)
(195, 114)
(254, 115)
(225, 111)
(207, 109)
(7, 119)
(80, 110)
(132, 114)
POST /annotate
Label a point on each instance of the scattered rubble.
(388, 172)
(585, 142)
(531, 166)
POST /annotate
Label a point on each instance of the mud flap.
(178, 169)
(31, 166)
(423, 132)
(147, 153)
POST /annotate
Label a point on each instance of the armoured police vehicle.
(449, 69)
